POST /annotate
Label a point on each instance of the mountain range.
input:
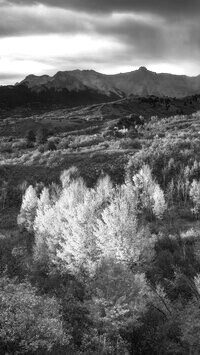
(74, 88)
(140, 82)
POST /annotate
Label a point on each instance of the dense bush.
(41, 135)
(29, 322)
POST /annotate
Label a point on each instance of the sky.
(109, 36)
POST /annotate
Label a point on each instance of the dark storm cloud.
(164, 7)
(24, 21)
(134, 32)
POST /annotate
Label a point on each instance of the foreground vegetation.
(100, 238)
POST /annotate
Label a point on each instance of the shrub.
(6, 147)
(42, 135)
(64, 143)
(41, 148)
(30, 136)
(54, 139)
(50, 145)
(21, 144)
(85, 141)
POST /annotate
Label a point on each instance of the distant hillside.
(144, 106)
(75, 88)
(100, 114)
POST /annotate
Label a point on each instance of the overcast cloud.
(165, 8)
(109, 36)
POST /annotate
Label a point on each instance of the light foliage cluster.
(28, 208)
(83, 226)
(150, 195)
(195, 196)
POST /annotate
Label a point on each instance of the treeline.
(21, 96)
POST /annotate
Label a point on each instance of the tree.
(118, 234)
(149, 194)
(119, 300)
(159, 206)
(195, 196)
(190, 327)
(4, 193)
(40, 248)
(44, 201)
(50, 145)
(68, 176)
(29, 323)
(60, 226)
(144, 187)
(170, 193)
(30, 136)
(189, 319)
(42, 135)
(28, 209)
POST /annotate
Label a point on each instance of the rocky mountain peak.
(143, 69)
